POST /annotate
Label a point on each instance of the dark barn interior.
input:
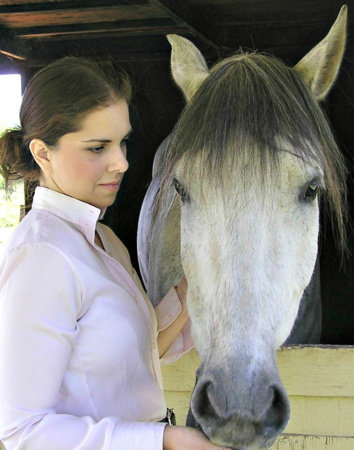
(132, 34)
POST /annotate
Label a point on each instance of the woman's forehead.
(102, 124)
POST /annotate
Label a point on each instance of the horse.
(234, 206)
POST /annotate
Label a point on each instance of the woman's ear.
(40, 152)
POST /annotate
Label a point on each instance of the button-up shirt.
(79, 364)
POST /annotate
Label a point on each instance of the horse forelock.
(236, 118)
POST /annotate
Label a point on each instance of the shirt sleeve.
(167, 312)
(40, 302)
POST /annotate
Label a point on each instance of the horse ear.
(188, 65)
(319, 68)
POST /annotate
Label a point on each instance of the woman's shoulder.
(37, 226)
(41, 228)
(27, 232)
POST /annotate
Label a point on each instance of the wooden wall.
(319, 383)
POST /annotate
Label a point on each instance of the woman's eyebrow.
(98, 140)
(108, 140)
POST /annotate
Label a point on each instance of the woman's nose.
(118, 162)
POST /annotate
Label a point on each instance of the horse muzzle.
(238, 412)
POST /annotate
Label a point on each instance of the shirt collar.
(81, 214)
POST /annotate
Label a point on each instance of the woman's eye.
(311, 191)
(97, 149)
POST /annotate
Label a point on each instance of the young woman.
(79, 340)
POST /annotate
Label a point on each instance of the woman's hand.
(185, 438)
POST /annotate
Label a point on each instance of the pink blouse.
(79, 364)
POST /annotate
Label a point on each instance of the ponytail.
(16, 160)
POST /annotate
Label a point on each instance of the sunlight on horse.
(234, 206)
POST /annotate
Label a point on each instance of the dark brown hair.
(54, 103)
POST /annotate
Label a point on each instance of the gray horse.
(233, 205)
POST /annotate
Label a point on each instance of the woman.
(79, 341)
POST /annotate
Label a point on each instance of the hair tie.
(17, 133)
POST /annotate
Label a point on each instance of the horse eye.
(312, 191)
(179, 189)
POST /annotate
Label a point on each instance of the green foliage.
(9, 209)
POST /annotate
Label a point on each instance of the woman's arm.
(185, 438)
(40, 298)
(169, 334)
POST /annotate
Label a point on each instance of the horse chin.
(220, 441)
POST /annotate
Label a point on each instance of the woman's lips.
(113, 186)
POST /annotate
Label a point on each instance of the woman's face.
(89, 164)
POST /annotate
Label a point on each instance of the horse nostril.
(277, 414)
(203, 405)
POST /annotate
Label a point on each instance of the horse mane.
(237, 115)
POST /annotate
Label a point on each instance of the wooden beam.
(12, 55)
(32, 5)
(99, 34)
(25, 18)
(314, 371)
(104, 33)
